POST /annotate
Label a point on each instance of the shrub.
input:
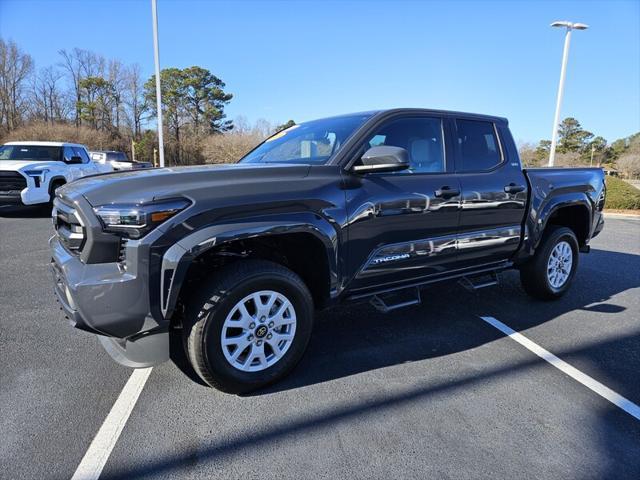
(621, 195)
(229, 147)
(65, 132)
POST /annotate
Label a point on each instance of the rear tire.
(548, 275)
(248, 326)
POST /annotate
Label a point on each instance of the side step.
(387, 302)
(477, 282)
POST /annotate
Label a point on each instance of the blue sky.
(306, 59)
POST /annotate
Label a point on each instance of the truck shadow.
(18, 211)
(356, 339)
(617, 431)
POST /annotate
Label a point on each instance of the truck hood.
(15, 165)
(196, 182)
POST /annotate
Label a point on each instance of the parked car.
(117, 160)
(30, 172)
(236, 258)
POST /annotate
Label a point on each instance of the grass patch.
(621, 195)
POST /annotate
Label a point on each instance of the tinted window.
(420, 137)
(68, 153)
(122, 157)
(479, 149)
(112, 156)
(82, 153)
(30, 152)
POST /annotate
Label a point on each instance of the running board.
(477, 282)
(387, 302)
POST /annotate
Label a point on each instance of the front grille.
(68, 226)
(11, 182)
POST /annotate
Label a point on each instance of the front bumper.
(113, 303)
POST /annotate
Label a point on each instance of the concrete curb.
(621, 215)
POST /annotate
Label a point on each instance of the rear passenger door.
(494, 191)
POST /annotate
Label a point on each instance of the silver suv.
(117, 160)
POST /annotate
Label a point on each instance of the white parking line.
(602, 390)
(98, 453)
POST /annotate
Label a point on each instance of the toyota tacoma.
(235, 259)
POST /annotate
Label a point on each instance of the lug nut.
(262, 319)
(269, 336)
(250, 337)
(271, 324)
(252, 325)
(259, 342)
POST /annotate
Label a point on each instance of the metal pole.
(156, 55)
(556, 119)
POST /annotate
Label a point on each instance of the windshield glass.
(309, 143)
(30, 152)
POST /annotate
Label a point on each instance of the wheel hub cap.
(258, 331)
(559, 265)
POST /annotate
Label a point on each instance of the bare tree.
(629, 165)
(15, 69)
(48, 101)
(80, 64)
(134, 98)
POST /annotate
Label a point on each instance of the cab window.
(421, 137)
(478, 146)
(81, 152)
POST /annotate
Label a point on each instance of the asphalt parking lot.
(425, 392)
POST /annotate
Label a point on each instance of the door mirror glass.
(383, 159)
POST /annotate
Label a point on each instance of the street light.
(565, 55)
(156, 57)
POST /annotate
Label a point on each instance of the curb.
(621, 215)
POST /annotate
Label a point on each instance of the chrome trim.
(399, 253)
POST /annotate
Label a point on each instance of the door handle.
(446, 192)
(513, 188)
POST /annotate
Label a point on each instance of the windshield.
(30, 152)
(309, 143)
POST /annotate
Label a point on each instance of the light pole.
(565, 55)
(156, 56)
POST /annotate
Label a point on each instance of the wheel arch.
(306, 245)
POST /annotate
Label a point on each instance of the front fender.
(177, 259)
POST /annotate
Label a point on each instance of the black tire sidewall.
(212, 352)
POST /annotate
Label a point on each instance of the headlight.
(135, 221)
(37, 175)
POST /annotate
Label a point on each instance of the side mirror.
(383, 159)
(74, 160)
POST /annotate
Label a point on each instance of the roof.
(422, 111)
(46, 144)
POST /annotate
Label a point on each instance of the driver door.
(402, 225)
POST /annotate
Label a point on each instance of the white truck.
(30, 172)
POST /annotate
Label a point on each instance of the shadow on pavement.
(348, 341)
(619, 429)
(18, 211)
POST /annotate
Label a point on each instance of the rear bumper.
(108, 301)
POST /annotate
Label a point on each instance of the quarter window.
(421, 137)
(479, 147)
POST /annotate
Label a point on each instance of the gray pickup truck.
(234, 259)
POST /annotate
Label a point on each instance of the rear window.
(478, 146)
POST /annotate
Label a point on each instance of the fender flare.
(54, 179)
(538, 224)
(177, 259)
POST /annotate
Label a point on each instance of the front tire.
(548, 275)
(248, 326)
